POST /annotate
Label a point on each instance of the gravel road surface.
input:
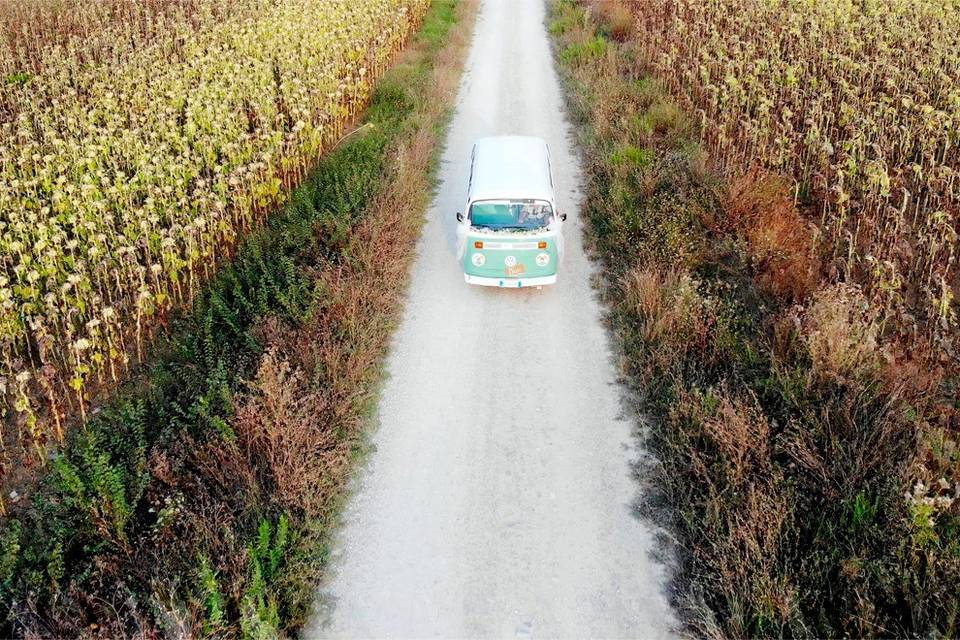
(498, 500)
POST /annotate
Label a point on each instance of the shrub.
(841, 334)
(615, 20)
(736, 512)
(581, 52)
(668, 308)
(282, 431)
(661, 117)
(758, 206)
(632, 157)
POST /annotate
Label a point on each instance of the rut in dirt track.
(498, 501)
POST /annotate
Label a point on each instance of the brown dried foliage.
(759, 207)
(743, 510)
(798, 403)
(616, 17)
(670, 317)
(28, 27)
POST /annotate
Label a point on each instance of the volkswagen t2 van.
(509, 235)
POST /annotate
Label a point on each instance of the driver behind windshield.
(538, 213)
(510, 215)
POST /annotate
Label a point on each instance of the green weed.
(21, 78)
(581, 52)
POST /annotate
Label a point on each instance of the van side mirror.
(563, 217)
(459, 217)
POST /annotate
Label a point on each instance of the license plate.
(516, 270)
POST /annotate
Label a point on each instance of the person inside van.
(536, 214)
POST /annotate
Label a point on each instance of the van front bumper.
(510, 283)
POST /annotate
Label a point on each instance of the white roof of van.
(511, 167)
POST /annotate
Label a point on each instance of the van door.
(463, 227)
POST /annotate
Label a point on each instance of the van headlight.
(543, 259)
(478, 259)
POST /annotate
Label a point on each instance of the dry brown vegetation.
(800, 372)
(304, 412)
(29, 27)
(856, 108)
(760, 208)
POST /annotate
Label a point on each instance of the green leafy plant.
(213, 600)
(261, 618)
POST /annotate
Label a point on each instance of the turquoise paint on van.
(497, 250)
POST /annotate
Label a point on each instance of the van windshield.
(511, 214)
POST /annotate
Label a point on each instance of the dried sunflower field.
(138, 141)
(859, 102)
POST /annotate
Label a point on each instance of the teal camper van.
(511, 233)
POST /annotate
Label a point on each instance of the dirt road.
(498, 501)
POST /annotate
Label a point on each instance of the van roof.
(511, 167)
